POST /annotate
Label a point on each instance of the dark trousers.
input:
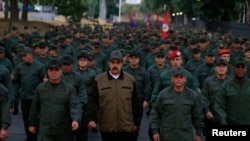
(55, 137)
(25, 106)
(81, 134)
(117, 136)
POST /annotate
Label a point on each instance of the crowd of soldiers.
(205, 66)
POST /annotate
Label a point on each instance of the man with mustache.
(113, 102)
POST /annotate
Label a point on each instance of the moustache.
(115, 68)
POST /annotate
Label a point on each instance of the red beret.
(174, 54)
(224, 51)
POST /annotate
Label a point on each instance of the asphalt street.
(16, 130)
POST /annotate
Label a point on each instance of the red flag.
(148, 22)
(157, 21)
(165, 25)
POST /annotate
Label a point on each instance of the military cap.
(153, 45)
(178, 71)
(42, 44)
(221, 61)
(196, 50)
(134, 53)
(5, 32)
(116, 54)
(160, 54)
(61, 39)
(237, 40)
(67, 59)
(174, 54)
(96, 44)
(202, 40)
(224, 51)
(123, 51)
(54, 63)
(52, 47)
(2, 49)
(83, 54)
(20, 47)
(145, 41)
(247, 49)
(26, 50)
(210, 53)
(192, 42)
(91, 56)
(239, 60)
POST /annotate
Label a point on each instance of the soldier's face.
(67, 68)
(115, 66)
(134, 60)
(83, 62)
(175, 62)
(225, 57)
(240, 71)
(179, 80)
(160, 60)
(54, 74)
(221, 69)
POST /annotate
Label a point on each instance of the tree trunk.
(14, 15)
(102, 11)
(6, 10)
(25, 11)
(248, 11)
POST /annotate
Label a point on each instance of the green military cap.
(2, 49)
(91, 56)
(42, 44)
(210, 53)
(178, 71)
(196, 50)
(134, 53)
(116, 54)
(160, 54)
(247, 49)
(239, 60)
(26, 50)
(83, 54)
(153, 45)
(52, 47)
(67, 59)
(20, 47)
(5, 32)
(61, 39)
(221, 61)
(123, 51)
(145, 41)
(96, 44)
(54, 63)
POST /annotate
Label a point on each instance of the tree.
(14, 16)
(72, 10)
(25, 10)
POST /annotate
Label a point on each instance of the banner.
(132, 20)
(165, 25)
(148, 21)
(133, 1)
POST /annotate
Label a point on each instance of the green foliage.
(72, 10)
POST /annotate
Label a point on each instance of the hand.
(12, 77)
(11, 110)
(134, 129)
(45, 79)
(156, 137)
(91, 125)
(32, 129)
(198, 138)
(209, 115)
(145, 104)
(3, 134)
(75, 125)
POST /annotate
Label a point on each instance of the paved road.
(16, 131)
